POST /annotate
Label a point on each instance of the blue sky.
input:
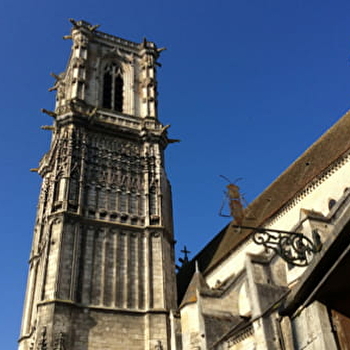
(246, 85)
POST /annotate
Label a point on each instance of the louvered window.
(113, 88)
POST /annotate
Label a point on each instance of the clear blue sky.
(246, 85)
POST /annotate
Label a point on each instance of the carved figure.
(59, 86)
(79, 24)
(59, 342)
(50, 113)
(43, 342)
(161, 49)
(92, 28)
(75, 23)
(159, 345)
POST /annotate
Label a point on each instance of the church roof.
(313, 162)
(196, 285)
(328, 149)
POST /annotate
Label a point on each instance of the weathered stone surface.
(102, 263)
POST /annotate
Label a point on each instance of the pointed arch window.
(113, 88)
(59, 190)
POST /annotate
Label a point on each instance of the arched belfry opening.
(113, 87)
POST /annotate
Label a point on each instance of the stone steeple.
(101, 269)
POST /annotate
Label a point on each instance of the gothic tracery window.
(113, 88)
(74, 186)
(59, 189)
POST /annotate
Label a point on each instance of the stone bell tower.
(101, 269)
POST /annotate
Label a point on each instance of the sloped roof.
(185, 274)
(330, 147)
(325, 151)
(197, 284)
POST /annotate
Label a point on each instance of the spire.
(195, 287)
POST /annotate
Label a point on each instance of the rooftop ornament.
(293, 247)
(184, 260)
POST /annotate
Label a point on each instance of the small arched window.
(113, 88)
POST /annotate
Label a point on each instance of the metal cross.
(186, 252)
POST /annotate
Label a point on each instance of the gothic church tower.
(101, 272)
